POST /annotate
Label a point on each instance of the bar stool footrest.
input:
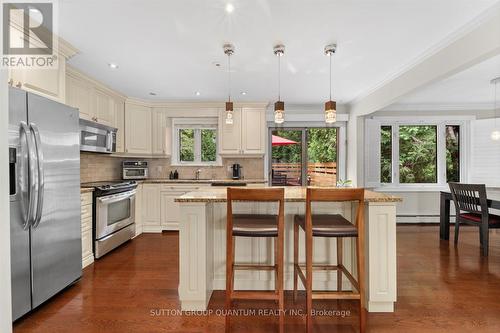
(253, 295)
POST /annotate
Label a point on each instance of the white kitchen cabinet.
(119, 123)
(50, 83)
(138, 129)
(104, 107)
(79, 95)
(161, 132)
(86, 222)
(170, 210)
(151, 208)
(246, 136)
(138, 210)
(253, 131)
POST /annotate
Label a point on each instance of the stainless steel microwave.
(97, 138)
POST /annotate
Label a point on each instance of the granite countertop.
(202, 181)
(86, 189)
(292, 194)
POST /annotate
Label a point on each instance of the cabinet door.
(253, 131)
(151, 205)
(104, 106)
(119, 123)
(230, 135)
(170, 210)
(158, 124)
(137, 129)
(86, 246)
(138, 210)
(79, 95)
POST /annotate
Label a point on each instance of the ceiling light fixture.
(152, 93)
(197, 93)
(330, 106)
(229, 8)
(279, 106)
(243, 93)
(113, 65)
(495, 135)
(229, 50)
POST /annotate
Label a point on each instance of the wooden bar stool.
(255, 225)
(330, 226)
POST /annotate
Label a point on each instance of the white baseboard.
(420, 219)
(87, 261)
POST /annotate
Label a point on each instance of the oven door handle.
(116, 197)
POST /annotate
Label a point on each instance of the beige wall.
(100, 167)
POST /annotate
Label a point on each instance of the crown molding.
(440, 107)
(192, 105)
(71, 71)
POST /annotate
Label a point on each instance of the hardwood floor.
(440, 289)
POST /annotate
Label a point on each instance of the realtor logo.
(28, 35)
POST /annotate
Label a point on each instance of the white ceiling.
(169, 47)
(468, 89)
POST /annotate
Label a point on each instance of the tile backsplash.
(100, 167)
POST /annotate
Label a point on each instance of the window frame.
(197, 124)
(440, 123)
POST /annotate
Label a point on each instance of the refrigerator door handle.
(41, 181)
(32, 179)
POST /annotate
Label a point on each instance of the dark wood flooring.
(440, 289)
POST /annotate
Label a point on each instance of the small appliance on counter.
(97, 138)
(135, 170)
(236, 168)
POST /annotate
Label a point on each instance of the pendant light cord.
(229, 75)
(279, 77)
(330, 76)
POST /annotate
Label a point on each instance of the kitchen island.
(202, 238)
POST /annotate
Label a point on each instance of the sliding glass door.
(303, 156)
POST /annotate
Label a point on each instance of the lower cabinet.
(138, 210)
(159, 209)
(86, 218)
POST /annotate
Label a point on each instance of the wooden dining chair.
(471, 207)
(333, 226)
(255, 225)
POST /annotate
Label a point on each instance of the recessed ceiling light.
(229, 8)
(152, 93)
(243, 93)
(112, 65)
(197, 93)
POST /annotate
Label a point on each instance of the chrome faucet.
(197, 174)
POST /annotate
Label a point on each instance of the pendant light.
(495, 135)
(279, 106)
(229, 50)
(330, 106)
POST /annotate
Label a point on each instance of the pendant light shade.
(229, 50)
(495, 134)
(279, 106)
(330, 106)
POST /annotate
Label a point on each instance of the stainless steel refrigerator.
(44, 164)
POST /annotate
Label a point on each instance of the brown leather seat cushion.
(493, 219)
(255, 225)
(329, 225)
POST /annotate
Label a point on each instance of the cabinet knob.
(19, 84)
(11, 82)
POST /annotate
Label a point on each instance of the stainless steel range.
(114, 214)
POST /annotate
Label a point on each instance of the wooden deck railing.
(319, 174)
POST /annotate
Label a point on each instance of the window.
(417, 154)
(195, 142)
(304, 156)
(412, 153)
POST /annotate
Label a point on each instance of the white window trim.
(440, 122)
(198, 124)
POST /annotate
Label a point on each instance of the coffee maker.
(236, 171)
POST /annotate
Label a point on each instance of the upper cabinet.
(246, 136)
(79, 95)
(49, 83)
(161, 132)
(138, 138)
(104, 107)
(119, 106)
